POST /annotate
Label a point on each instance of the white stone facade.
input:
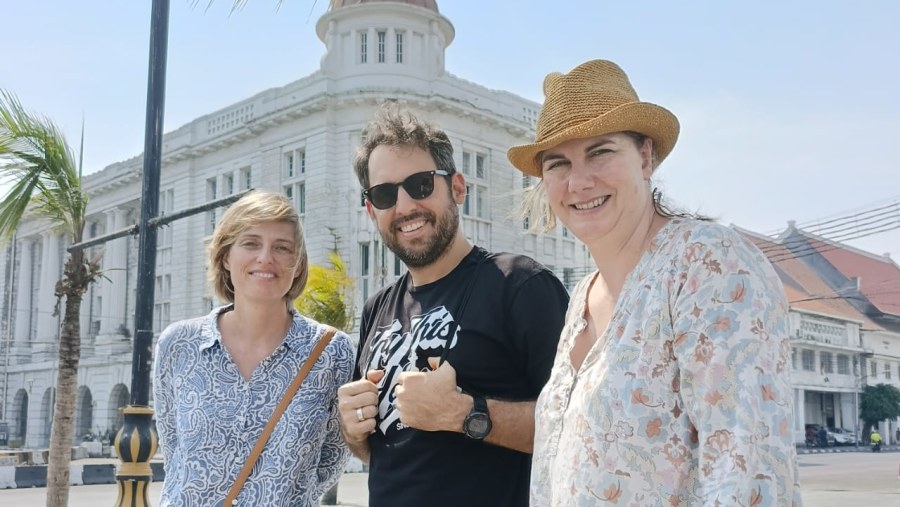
(299, 139)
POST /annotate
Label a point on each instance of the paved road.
(859, 479)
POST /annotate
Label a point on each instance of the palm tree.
(325, 300)
(40, 167)
(326, 294)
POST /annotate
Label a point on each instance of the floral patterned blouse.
(685, 398)
(209, 417)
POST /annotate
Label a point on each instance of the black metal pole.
(136, 441)
(156, 98)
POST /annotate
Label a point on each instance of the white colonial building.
(298, 139)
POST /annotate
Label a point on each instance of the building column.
(20, 352)
(23, 294)
(390, 46)
(47, 323)
(114, 268)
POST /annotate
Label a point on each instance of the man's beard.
(432, 248)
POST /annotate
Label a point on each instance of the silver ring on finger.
(359, 415)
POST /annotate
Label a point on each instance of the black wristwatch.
(478, 423)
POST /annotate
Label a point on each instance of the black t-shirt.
(503, 348)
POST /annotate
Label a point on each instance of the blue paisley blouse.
(209, 417)
(685, 398)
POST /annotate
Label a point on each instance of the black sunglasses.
(418, 186)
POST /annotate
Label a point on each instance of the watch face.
(478, 425)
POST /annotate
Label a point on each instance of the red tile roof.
(804, 289)
(879, 276)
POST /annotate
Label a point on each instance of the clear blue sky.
(789, 110)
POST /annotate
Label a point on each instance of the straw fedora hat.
(593, 99)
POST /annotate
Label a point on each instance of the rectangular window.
(467, 163)
(526, 180)
(364, 269)
(793, 358)
(364, 259)
(873, 369)
(246, 178)
(162, 316)
(479, 166)
(382, 38)
(227, 184)
(301, 161)
(809, 360)
(480, 208)
(467, 205)
(289, 165)
(289, 192)
(887, 371)
(825, 365)
(399, 47)
(843, 364)
(166, 207)
(526, 224)
(363, 47)
(301, 198)
(211, 189)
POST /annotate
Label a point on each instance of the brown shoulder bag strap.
(292, 389)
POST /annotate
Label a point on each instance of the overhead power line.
(856, 225)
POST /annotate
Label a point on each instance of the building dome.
(386, 38)
(426, 4)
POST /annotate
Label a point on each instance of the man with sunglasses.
(453, 355)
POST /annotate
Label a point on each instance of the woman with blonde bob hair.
(670, 384)
(218, 378)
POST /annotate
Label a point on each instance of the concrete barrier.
(99, 474)
(94, 449)
(31, 476)
(39, 457)
(79, 453)
(75, 471)
(159, 473)
(7, 477)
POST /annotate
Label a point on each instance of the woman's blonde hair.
(255, 208)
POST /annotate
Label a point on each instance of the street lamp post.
(136, 441)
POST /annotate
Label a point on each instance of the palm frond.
(236, 5)
(35, 158)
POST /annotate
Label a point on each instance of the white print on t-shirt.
(396, 351)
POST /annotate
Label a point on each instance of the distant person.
(823, 436)
(218, 378)
(670, 385)
(453, 355)
(875, 437)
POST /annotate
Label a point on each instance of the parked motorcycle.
(876, 446)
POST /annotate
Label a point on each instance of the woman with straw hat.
(670, 385)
